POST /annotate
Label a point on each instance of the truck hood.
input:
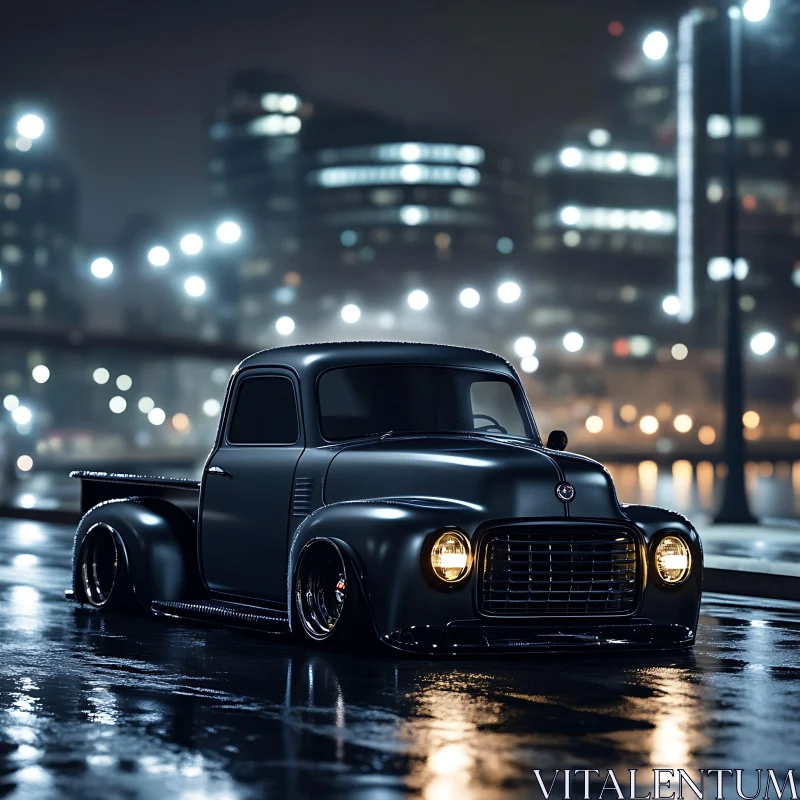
(504, 478)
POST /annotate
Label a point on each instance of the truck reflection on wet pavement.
(112, 706)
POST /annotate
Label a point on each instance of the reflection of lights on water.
(27, 500)
(28, 533)
(24, 597)
(25, 614)
(648, 479)
(103, 706)
(25, 561)
(705, 483)
(682, 482)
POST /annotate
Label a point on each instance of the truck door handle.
(219, 471)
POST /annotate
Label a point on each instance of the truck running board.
(220, 612)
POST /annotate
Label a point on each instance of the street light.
(102, 268)
(418, 299)
(762, 343)
(158, 256)
(469, 298)
(655, 45)
(351, 313)
(191, 244)
(509, 292)
(229, 232)
(31, 126)
(755, 10)
(194, 286)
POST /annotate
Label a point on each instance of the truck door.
(247, 487)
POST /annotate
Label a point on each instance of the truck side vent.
(302, 496)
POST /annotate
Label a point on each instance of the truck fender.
(383, 539)
(158, 542)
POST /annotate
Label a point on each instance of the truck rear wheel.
(329, 607)
(102, 571)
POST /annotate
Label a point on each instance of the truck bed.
(99, 487)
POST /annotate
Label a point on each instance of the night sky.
(129, 86)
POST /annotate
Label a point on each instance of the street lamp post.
(734, 507)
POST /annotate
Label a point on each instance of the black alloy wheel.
(322, 588)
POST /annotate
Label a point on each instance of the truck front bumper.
(473, 637)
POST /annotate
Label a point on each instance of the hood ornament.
(565, 492)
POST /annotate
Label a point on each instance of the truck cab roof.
(310, 360)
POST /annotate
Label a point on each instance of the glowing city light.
(751, 419)
(628, 413)
(418, 299)
(671, 305)
(414, 215)
(124, 382)
(158, 256)
(102, 268)
(509, 292)
(683, 423)
(570, 215)
(212, 407)
(655, 45)
(191, 244)
(10, 402)
(529, 364)
(157, 416)
(679, 351)
(284, 326)
(756, 10)
(31, 126)
(180, 422)
(524, 346)
(101, 375)
(351, 313)
(22, 415)
(40, 373)
(24, 463)
(194, 286)
(573, 341)
(594, 424)
(146, 404)
(648, 424)
(229, 232)
(117, 404)
(469, 298)
(570, 157)
(706, 435)
(599, 137)
(761, 343)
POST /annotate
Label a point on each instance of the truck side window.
(264, 412)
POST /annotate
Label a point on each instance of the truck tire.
(102, 579)
(329, 606)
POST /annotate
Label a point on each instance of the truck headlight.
(673, 559)
(451, 557)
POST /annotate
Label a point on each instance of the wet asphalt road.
(106, 707)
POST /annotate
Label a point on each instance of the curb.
(59, 515)
(774, 580)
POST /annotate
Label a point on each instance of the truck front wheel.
(329, 607)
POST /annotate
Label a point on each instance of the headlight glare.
(451, 557)
(672, 559)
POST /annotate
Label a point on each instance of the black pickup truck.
(391, 491)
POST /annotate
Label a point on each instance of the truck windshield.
(376, 400)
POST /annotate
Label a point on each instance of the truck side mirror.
(557, 440)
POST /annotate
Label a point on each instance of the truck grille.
(558, 572)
